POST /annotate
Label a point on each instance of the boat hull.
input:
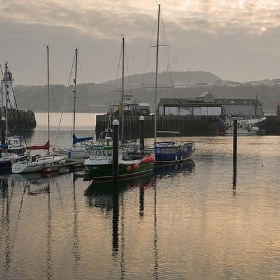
(37, 165)
(173, 153)
(126, 170)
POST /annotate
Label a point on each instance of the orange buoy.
(135, 165)
(128, 168)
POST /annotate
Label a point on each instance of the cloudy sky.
(237, 40)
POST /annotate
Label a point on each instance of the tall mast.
(75, 90)
(122, 99)
(48, 81)
(156, 82)
(6, 105)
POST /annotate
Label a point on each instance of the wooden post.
(234, 141)
(115, 153)
(141, 135)
(115, 219)
(234, 152)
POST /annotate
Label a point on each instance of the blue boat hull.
(165, 154)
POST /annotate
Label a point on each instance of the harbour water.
(201, 220)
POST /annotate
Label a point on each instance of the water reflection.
(171, 170)
(76, 247)
(106, 196)
(234, 177)
(100, 194)
(5, 223)
(16, 192)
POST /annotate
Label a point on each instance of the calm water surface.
(201, 220)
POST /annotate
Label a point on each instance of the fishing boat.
(100, 162)
(12, 148)
(36, 163)
(14, 144)
(79, 145)
(245, 126)
(131, 161)
(168, 152)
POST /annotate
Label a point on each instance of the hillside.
(97, 97)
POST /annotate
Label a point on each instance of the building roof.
(194, 102)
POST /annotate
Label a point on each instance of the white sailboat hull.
(74, 152)
(37, 165)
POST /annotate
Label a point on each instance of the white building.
(207, 105)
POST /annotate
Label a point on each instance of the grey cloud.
(230, 41)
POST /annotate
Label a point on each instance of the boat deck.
(67, 166)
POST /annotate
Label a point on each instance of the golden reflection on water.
(206, 220)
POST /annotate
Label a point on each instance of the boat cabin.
(130, 107)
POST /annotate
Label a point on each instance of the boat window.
(98, 153)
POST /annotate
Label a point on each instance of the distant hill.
(97, 97)
(165, 78)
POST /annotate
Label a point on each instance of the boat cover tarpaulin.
(40, 147)
(78, 140)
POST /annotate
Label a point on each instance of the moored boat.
(167, 152)
(78, 150)
(173, 152)
(246, 126)
(100, 162)
(36, 163)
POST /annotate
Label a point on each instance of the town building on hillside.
(206, 105)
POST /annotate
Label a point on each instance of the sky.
(236, 40)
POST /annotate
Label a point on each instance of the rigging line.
(64, 101)
(83, 85)
(116, 82)
(18, 218)
(128, 71)
(148, 58)
(2, 73)
(41, 81)
(168, 55)
(18, 118)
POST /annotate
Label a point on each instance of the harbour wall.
(272, 125)
(19, 121)
(186, 125)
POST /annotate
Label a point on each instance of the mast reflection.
(103, 195)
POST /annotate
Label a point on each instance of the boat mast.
(122, 99)
(156, 81)
(6, 105)
(48, 81)
(75, 90)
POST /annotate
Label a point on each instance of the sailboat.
(80, 145)
(131, 161)
(36, 163)
(168, 151)
(12, 148)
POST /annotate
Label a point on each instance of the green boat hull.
(105, 171)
